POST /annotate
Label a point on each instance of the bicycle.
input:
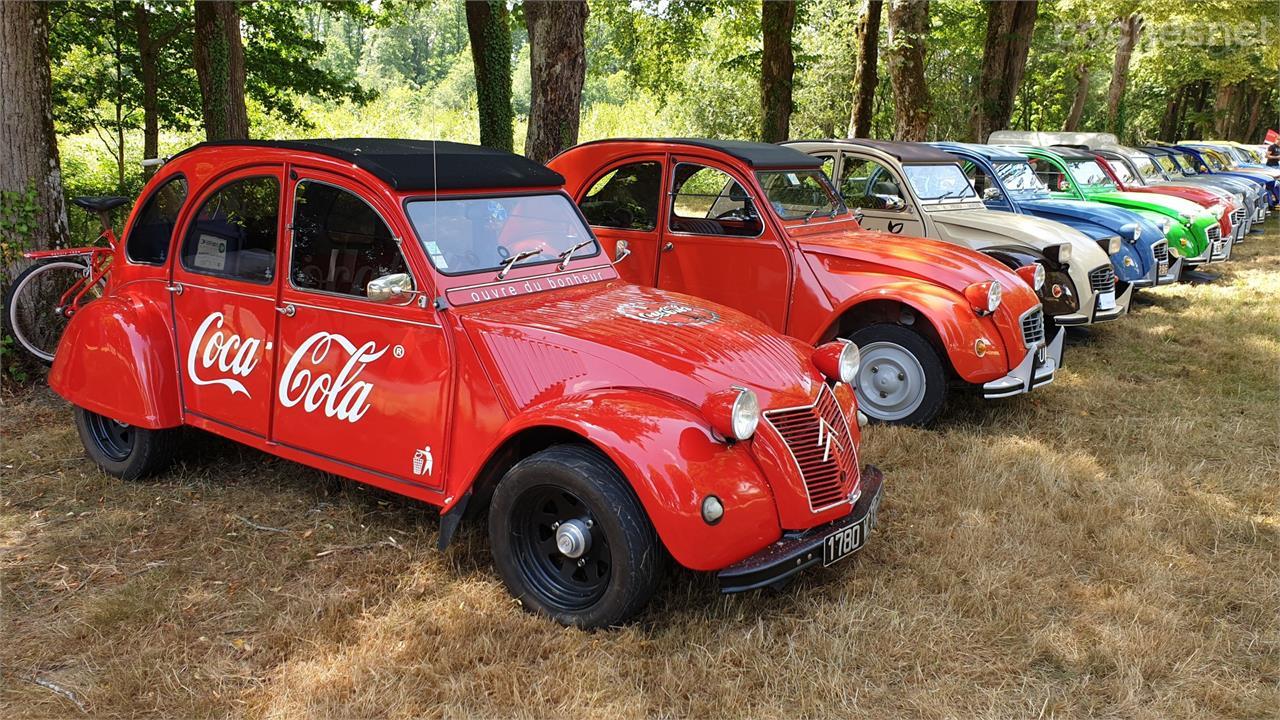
(44, 297)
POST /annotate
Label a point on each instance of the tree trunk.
(1249, 129)
(27, 140)
(1004, 59)
(148, 58)
(1130, 27)
(1072, 123)
(908, 32)
(558, 66)
(490, 33)
(1223, 104)
(219, 58)
(866, 77)
(777, 69)
(1172, 115)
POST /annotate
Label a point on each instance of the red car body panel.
(803, 278)
(429, 399)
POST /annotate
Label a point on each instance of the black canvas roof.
(1070, 152)
(906, 152)
(420, 164)
(755, 154)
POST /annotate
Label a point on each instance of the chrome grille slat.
(1102, 279)
(1033, 327)
(827, 481)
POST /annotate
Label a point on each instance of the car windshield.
(470, 235)
(1018, 177)
(1121, 169)
(1087, 172)
(1147, 168)
(1181, 164)
(939, 182)
(800, 194)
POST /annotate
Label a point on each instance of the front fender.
(666, 451)
(116, 358)
(955, 323)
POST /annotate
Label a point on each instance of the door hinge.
(175, 288)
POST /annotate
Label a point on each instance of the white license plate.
(846, 541)
(1107, 300)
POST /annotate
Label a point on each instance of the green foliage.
(18, 212)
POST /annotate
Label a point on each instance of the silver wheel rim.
(21, 318)
(891, 382)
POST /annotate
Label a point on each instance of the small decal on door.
(895, 228)
(422, 461)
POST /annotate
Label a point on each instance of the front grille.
(1215, 233)
(1216, 245)
(820, 442)
(1033, 327)
(1102, 279)
(1237, 217)
(1161, 251)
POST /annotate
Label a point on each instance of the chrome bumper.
(1174, 274)
(1030, 373)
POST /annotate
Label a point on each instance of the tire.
(902, 380)
(30, 312)
(615, 575)
(122, 450)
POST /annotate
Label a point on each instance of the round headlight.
(733, 412)
(1165, 225)
(1033, 275)
(712, 509)
(1113, 244)
(984, 296)
(1064, 254)
(838, 360)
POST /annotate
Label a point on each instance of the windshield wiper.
(506, 266)
(567, 255)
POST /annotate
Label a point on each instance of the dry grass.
(1107, 547)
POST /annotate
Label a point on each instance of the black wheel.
(902, 380)
(123, 450)
(570, 539)
(31, 312)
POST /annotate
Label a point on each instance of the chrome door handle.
(175, 288)
(668, 247)
(288, 310)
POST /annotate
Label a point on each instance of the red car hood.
(613, 334)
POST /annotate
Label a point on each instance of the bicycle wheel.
(32, 314)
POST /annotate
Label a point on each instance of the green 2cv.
(1075, 175)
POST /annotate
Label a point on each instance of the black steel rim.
(114, 439)
(563, 583)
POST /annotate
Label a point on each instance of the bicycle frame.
(97, 266)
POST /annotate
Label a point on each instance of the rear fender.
(669, 456)
(947, 318)
(117, 359)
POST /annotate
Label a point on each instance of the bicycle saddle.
(99, 203)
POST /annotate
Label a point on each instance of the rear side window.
(235, 232)
(149, 238)
(626, 198)
(708, 201)
(869, 185)
(340, 243)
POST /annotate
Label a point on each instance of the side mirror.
(992, 193)
(390, 287)
(857, 216)
(893, 202)
(621, 252)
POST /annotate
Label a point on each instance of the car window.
(1049, 174)
(1088, 172)
(869, 185)
(149, 238)
(234, 233)
(938, 182)
(340, 243)
(626, 198)
(1121, 169)
(981, 179)
(707, 201)
(468, 235)
(799, 194)
(1019, 177)
(1147, 168)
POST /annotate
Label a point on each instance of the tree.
(1130, 27)
(32, 209)
(777, 69)
(908, 32)
(558, 66)
(866, 75)
(1004, 58)
(1072, 123)
(219, 60)
(488, 25)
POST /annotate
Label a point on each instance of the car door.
(623, 207)
(879, 193)
(223, 294)
(717, 245)
(361, 380)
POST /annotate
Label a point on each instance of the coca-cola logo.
(343, 396)
(215, 349)
(670, 313)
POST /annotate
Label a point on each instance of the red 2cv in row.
(438, 320)
(759, 228)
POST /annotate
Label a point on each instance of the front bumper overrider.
(795, 551)
(1092, 314)
(1031, 373)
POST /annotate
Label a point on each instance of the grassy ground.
(1109, 546)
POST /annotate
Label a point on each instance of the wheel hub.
(891, 382)
(573, 538)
